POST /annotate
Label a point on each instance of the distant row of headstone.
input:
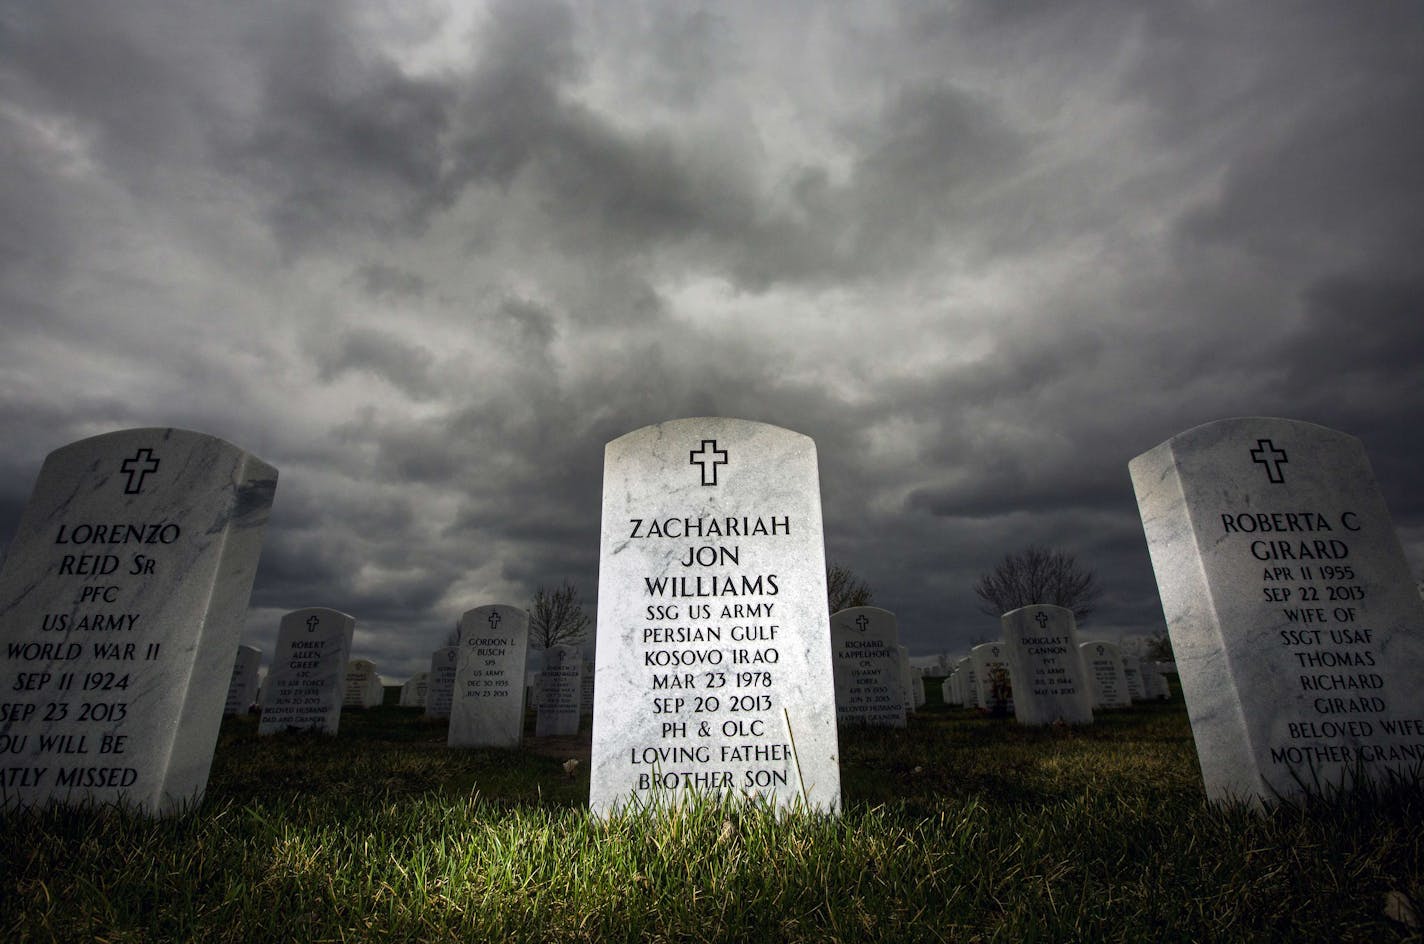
(478, 684)
(1294, 619)
(985, 679)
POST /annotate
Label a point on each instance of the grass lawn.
(959, 828)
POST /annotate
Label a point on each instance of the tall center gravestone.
(1299, 639)
(487, 700)
(560, 684)
(307, 681)
(866, 654)
(713, 664)
(1045, 667)
(121, 606)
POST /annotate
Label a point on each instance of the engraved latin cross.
(1268, 455)
(132, 468)
(1042, 620)
(494, 620)
(708, 457)
(862, 622)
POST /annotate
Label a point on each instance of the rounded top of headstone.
(873, 612)
(173, 434)
(1100, 647)
(705, 422)
(1048, 609)
(1232, 427)
(321, 612)
(987, 649)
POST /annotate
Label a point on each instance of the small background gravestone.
(1299, 638)
(306, 683)
(123, 594)
(1041, 642)
(413, 691)
(586, 688)
(487, 704)
(866, 654)
(969, 684)
(440, 686)
(242, 689)
(1103, 663)
(363, 686)
(1132, 672)
(560, 685)
(992, 676)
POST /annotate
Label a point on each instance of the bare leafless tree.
(844, 589)
(1038, 574)
(556, 617)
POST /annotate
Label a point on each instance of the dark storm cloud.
(379, 353)
(984, 255)
(383, 281)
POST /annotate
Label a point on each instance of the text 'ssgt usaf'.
(121, 606)
(713, 660)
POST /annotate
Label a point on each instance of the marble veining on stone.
(121, 605)
(713, 665)
(1299, 640)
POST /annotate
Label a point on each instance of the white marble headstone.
(1045, 667)
(586, 688)
(1108, 681)
(907, 689)
(1136, 683)
(363, 685)
(487, 706)
(413, 691)
(1299, 640)
(307, 681)
(560, 685)
(969, 684)
(242, 689)
(440, 686)
(713, 665)
(946, 690)
(992, 677)
(1153, 681)
(867, 667)
(123, 593)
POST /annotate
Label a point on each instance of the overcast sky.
(428, 259)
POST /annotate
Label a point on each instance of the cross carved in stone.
(1042, 620)
(708, 457)
(1268, 455)
(132, 468)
